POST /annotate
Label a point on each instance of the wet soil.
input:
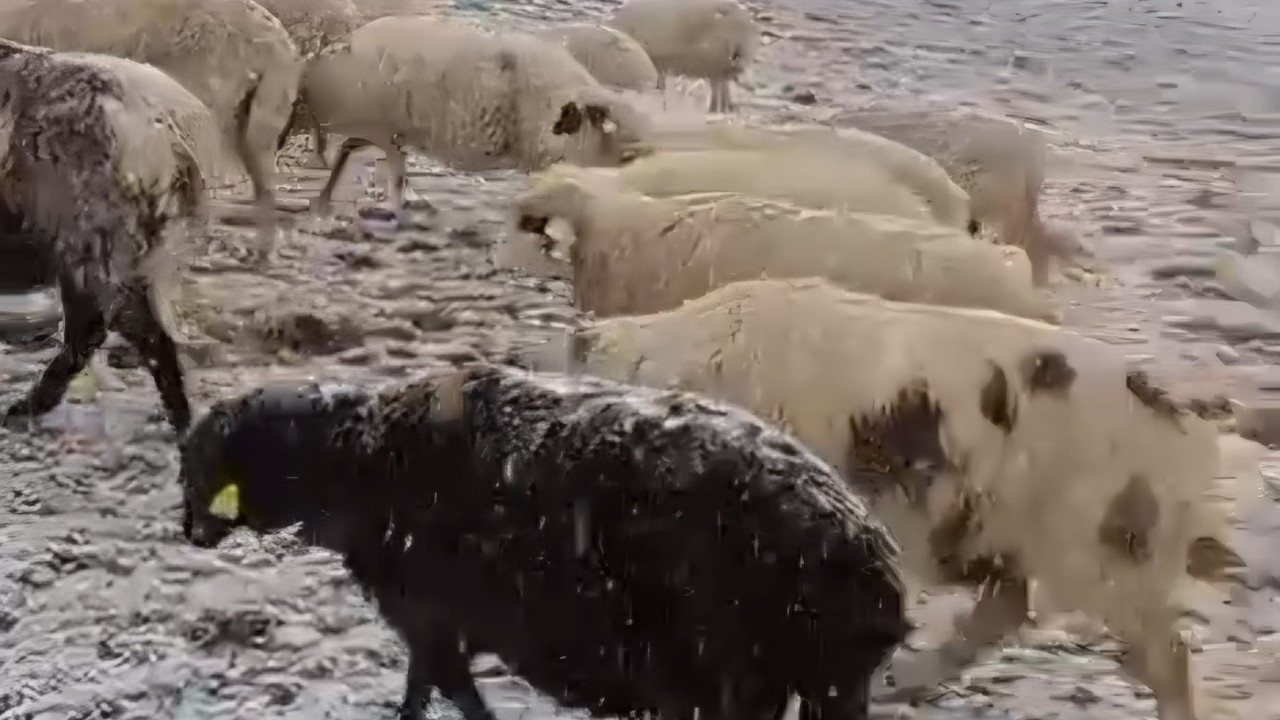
(1165, 121)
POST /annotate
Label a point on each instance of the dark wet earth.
(1165, 117)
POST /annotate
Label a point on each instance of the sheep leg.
(396, 171)
(84, 329)
(319, 145)
(136, 320)
(349, 146)
(435, 661)
(1163, 663)
(717, 87)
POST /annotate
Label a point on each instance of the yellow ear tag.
(226, 504)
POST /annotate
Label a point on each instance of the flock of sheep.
(691, 521)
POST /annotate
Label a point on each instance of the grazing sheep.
(998, 162)
(636, 254)
(612, 57)
(624, 549)
(101, 169)
(996, 448)
(467, 97)
(232, 54)
(820, 166)
(712, 39)
(314, 25)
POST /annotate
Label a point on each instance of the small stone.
(357, 356)
(1227, 354)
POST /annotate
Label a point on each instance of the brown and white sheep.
(232, 54)
(465, 96)
(636, 254)
(94, 160)
(712, 39)
(996, 448)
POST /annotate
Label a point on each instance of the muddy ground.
(1167, 134)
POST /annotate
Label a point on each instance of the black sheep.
(623, 549)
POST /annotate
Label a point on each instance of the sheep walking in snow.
(612, 57)
(995, 448)
(810, 165)
(998, 162)
(712, 39)
(467, 97)
(93, 158)
(232, 54)
(314, 25)
(636, 254)
(717, 564)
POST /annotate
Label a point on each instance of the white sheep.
(95, 160)
(465, 96)
(711, 39)
(611, 56)
(999, 162)
(314, 25)
(232, 54)
(636, 254)
(996, 448)
(820, 165)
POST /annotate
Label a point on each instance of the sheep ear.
(570, 120)
(599, 117)
(226, 503)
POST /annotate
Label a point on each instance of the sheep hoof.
(18, 416)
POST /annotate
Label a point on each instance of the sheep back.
(809, 179)
(697, 38)
(612, 57)
(819, 144)
(986, 440)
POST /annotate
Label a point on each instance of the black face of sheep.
(265, 461)
(573, 114)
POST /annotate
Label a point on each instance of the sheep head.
(560, 191)
(596, 124)
(269, 459)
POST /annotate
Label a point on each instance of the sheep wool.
(468, 97)
(717, 564)
(93, 158)
(634, 254)
(996, 448)
(612, 57)
(999, 162)
(712, 39)
(231, 54)
(820, 162)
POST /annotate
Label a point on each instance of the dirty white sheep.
(94, 160)
(231, 54)
(314, 25)
(999, 162)
(467, 97)
(996, 448)
(611, 56)
(636, 254)
(822, 167)
(712, 39)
